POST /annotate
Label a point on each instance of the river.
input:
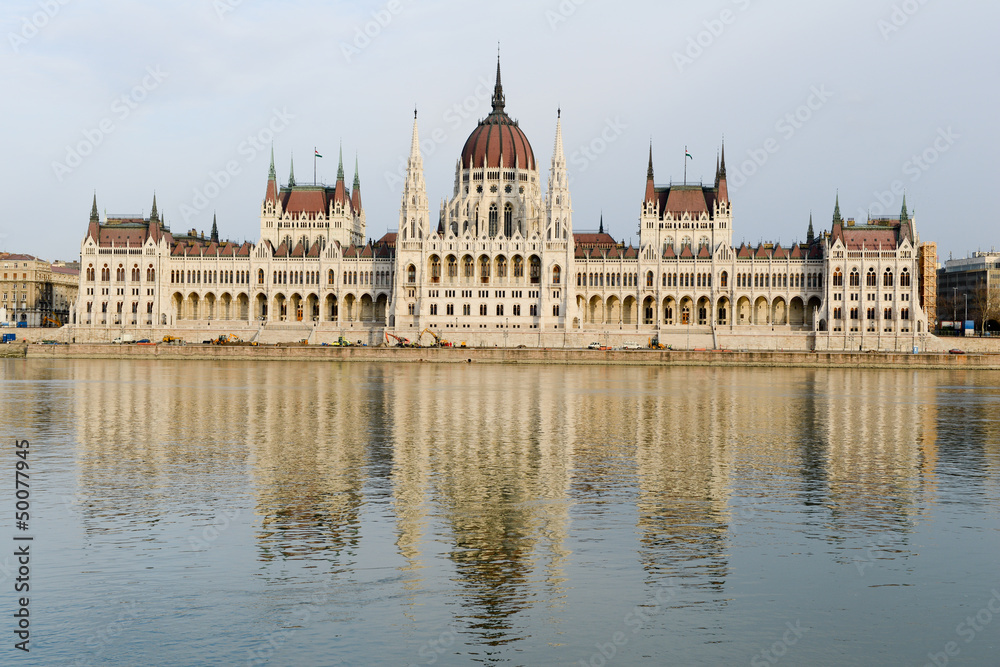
(321, 513)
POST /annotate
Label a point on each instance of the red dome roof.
(497, 136)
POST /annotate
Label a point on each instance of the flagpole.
(685, 165)
(314, 165)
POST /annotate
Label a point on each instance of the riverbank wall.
(518, 356)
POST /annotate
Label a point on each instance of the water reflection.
(499, 484)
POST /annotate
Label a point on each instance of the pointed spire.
(340, 165)
(153, 215)
(600, 230)
(498, 99)
(836, 211)
(215, 229)
(720, 179)
(356, 189)
(904, 215)
(94, 215)
(810, 235)
(415, 142)
(414, 219)
(558, 155)
(650, 188)
(291, 174)
(271, 193)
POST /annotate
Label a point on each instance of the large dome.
(497, 137)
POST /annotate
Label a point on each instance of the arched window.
(150, 274)
(435, 269)
(484, 269)
(90, 273)
(649, 278)
(329, 277)
(871, 280)
(518, 267)
(724, 280)
(452, 267)
(120, 274)
(411, 274)
(468, 272)
(887, 280)
(556, 274)
(536, 269)
(106, 274)
(494, 215)
(260, 276)
(855, 278)
(135, 273)
(838, 278)
(904, 280)
(508, 221)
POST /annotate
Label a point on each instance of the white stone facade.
(503, 265)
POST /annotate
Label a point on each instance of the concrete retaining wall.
(521, 356)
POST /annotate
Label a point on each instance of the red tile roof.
(111, 236)
(304, 201)
(587, 240)
(497, 138)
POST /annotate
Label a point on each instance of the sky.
(868, 99)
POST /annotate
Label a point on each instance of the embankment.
(520, 356)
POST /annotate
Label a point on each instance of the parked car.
(594, 346)
(631, 346)
(955, 350)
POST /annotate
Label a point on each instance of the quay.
(644, 357)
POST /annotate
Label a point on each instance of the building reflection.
(486, 468)
(482, 465)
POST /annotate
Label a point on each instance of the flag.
(317, 153)
(686, 154)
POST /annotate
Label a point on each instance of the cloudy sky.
(865, 97)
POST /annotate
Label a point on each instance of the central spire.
(498, 100)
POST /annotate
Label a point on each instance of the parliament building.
(502, 265)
